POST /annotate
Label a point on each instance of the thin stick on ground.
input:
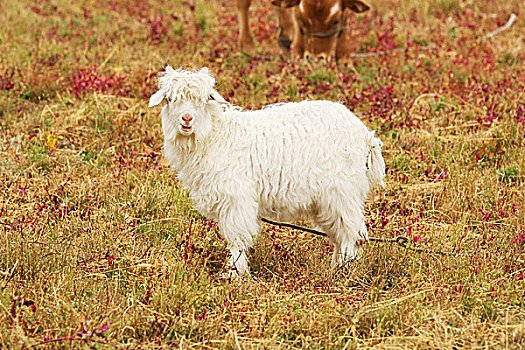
(507, 25)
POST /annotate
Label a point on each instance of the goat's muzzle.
(319, 58)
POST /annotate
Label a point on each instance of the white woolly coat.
(284, 161)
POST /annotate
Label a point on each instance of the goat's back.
(296, 151)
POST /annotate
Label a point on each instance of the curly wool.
(311, 159)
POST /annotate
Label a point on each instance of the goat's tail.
(375, 163)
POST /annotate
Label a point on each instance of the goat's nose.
(187, 118)
(315, 58)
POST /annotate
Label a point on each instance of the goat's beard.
(185, 142)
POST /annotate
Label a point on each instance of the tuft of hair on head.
(181, 84)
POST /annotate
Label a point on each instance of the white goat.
(286, 161)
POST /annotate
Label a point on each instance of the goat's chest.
(214, 183)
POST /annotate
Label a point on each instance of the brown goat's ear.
(356, 5)
(286, 3)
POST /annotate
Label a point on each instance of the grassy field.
(100, 248)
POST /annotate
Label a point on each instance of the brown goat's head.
(318, 25)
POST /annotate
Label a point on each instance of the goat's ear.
(285, 3)
(356, 5)
(205, 70)
(156, 98)
(215, 95)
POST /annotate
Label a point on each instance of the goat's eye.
(336, 23)
(211, 97)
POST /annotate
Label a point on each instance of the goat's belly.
(285, 210)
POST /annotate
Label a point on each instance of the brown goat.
(311, 29)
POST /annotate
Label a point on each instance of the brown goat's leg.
(245, 36)
(344, 47)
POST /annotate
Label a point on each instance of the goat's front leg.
(238, 262)
(245, 36)
(239, 226)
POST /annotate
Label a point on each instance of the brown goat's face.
(318, 25)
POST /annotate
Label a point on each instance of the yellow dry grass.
(99, 246)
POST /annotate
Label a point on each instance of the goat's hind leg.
(345, 229)
(349, 241)
(346, 248)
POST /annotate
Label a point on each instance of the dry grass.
(100, 248)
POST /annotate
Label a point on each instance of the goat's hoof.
(227, 276)
(344, 269)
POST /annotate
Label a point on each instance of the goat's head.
(191, 102)
(319, 25)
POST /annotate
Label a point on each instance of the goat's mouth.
(185, 129)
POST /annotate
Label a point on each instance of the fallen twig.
(500, 29)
